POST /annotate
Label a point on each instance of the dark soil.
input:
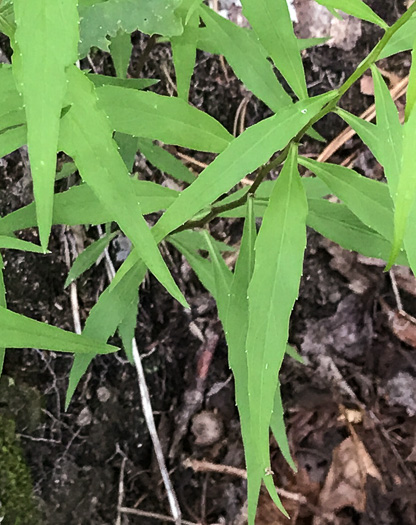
(339, 325)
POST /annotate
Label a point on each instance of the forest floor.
(350, 410)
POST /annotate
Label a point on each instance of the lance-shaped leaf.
(339, 224)
(120, 49)
(128, 83)
(103, 19)
(18, 331)
(12, 139)
(245, 154)
(87, 138)
(411, 89)
(7, 25)
(165, 161)
(88, 257)
(184, 47)
(247, 58)
(222, 275)
(168, 119)
(11, 243)
(271, 21)
(196, 240)
(406, 188)
(39, 62)
(368, 199)
(355, 8)
(80, 205)
(127, 147)
(277, 424)
(402, 40)
(235, 322)
(272, 293)
(11, 99)
(390, 131)
(111, 309)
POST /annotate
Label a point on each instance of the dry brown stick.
(148, 415)
(369, 114)
(121, 490)
(153, 515)
(207, 466)
(72, 288)
(191, 160)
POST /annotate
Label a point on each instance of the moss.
(16, 490)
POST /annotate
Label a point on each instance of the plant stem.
(267, 168)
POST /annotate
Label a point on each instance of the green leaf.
(111, 309)
(79, 205)
(184, 47)
(244, 155)
(222, 274)
(68, 169)
(88, 257)
(235, 322)
(306, 43)
(406, 189)
(195, 240)
(247, 58)
(18, 331)
(168, 119)
(120, 49)
(165, 161)
(87, 138)
(294, 354)
(127, 327)
(100, 20)
(277, 424)
(389, 151)
(11, 243)
(11, 99)
(340, 225)
(402, 40)
(128, 83)
(127, 147)
(278, 39)
(201, 266)
(7, 25)
(39, 62)
(272, 293)
(355, 8)
(12, 139)
(411, 89)
(368, 199)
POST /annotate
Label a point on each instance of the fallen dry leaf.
(401, 324)
(345, 485)
(367, 85)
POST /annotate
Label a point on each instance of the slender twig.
(153, 515)
(148, 414)
(73, 291)
(121, 490)
(207, 466)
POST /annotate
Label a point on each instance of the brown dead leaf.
(401, 324)
(367, 85)
(299, 485)
(345, 485)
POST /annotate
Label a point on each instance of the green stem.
(267, 168)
